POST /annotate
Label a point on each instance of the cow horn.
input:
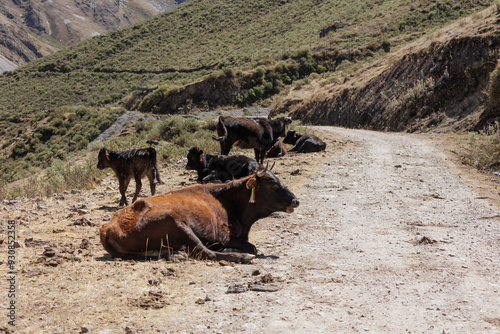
(262, 173)
(274, 163)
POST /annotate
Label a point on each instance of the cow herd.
(211, 220)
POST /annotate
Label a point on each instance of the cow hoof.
(246, 258)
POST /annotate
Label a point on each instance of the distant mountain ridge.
(30, 29)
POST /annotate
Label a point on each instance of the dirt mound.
(435, 82)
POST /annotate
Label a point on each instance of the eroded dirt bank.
(391, 236)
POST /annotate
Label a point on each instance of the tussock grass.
(483, 149)
(57, 178)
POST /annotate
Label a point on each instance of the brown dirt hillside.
(437, 82)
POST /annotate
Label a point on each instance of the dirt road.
(391, 236)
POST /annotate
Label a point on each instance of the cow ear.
(252, 183)
(105, 152)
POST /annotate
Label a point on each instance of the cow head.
(280, 126)
(270, 193)
(103, 159)
(194, 158)
(290, 138)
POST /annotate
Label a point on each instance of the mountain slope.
(30, 29)
(439, 81)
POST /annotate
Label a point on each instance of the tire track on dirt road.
(387, 239)
(390, 191)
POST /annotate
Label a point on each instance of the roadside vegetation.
(483, 147)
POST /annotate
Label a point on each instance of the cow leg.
(242, 245)
(152, 184)
(257, 154)
(234, 257)
(123, 185)
(138, 186)
(209, 254)
(225, 147)
(157, 173)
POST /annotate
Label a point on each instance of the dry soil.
(393, 235)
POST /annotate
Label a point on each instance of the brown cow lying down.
(197, 217)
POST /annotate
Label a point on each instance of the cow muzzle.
(291, 207)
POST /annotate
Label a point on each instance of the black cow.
(259, 134)
(219, 167)
(304, 143)
(131, 164)
(279, 126)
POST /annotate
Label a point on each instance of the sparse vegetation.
(52, 108)
(483, 150)
(57, 133)
(494, 92)
(59, 177)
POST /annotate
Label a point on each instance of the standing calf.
(131, 164)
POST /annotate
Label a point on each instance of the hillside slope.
(439, 81)
(201, 55)
(31, 29)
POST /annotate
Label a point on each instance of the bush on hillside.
(494, 91)
(484, 148)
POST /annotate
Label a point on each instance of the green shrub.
(46, 132)
(494, 90)
(20, 150)
(175, 126)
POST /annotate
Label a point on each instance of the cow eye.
(274, 184)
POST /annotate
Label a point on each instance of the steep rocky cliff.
(438, 82)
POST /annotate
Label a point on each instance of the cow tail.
(219, 126)
(156, 171)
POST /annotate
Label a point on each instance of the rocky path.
(391, 236)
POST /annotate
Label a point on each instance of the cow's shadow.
(110, 258)
(262, 256)
(108, 208)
